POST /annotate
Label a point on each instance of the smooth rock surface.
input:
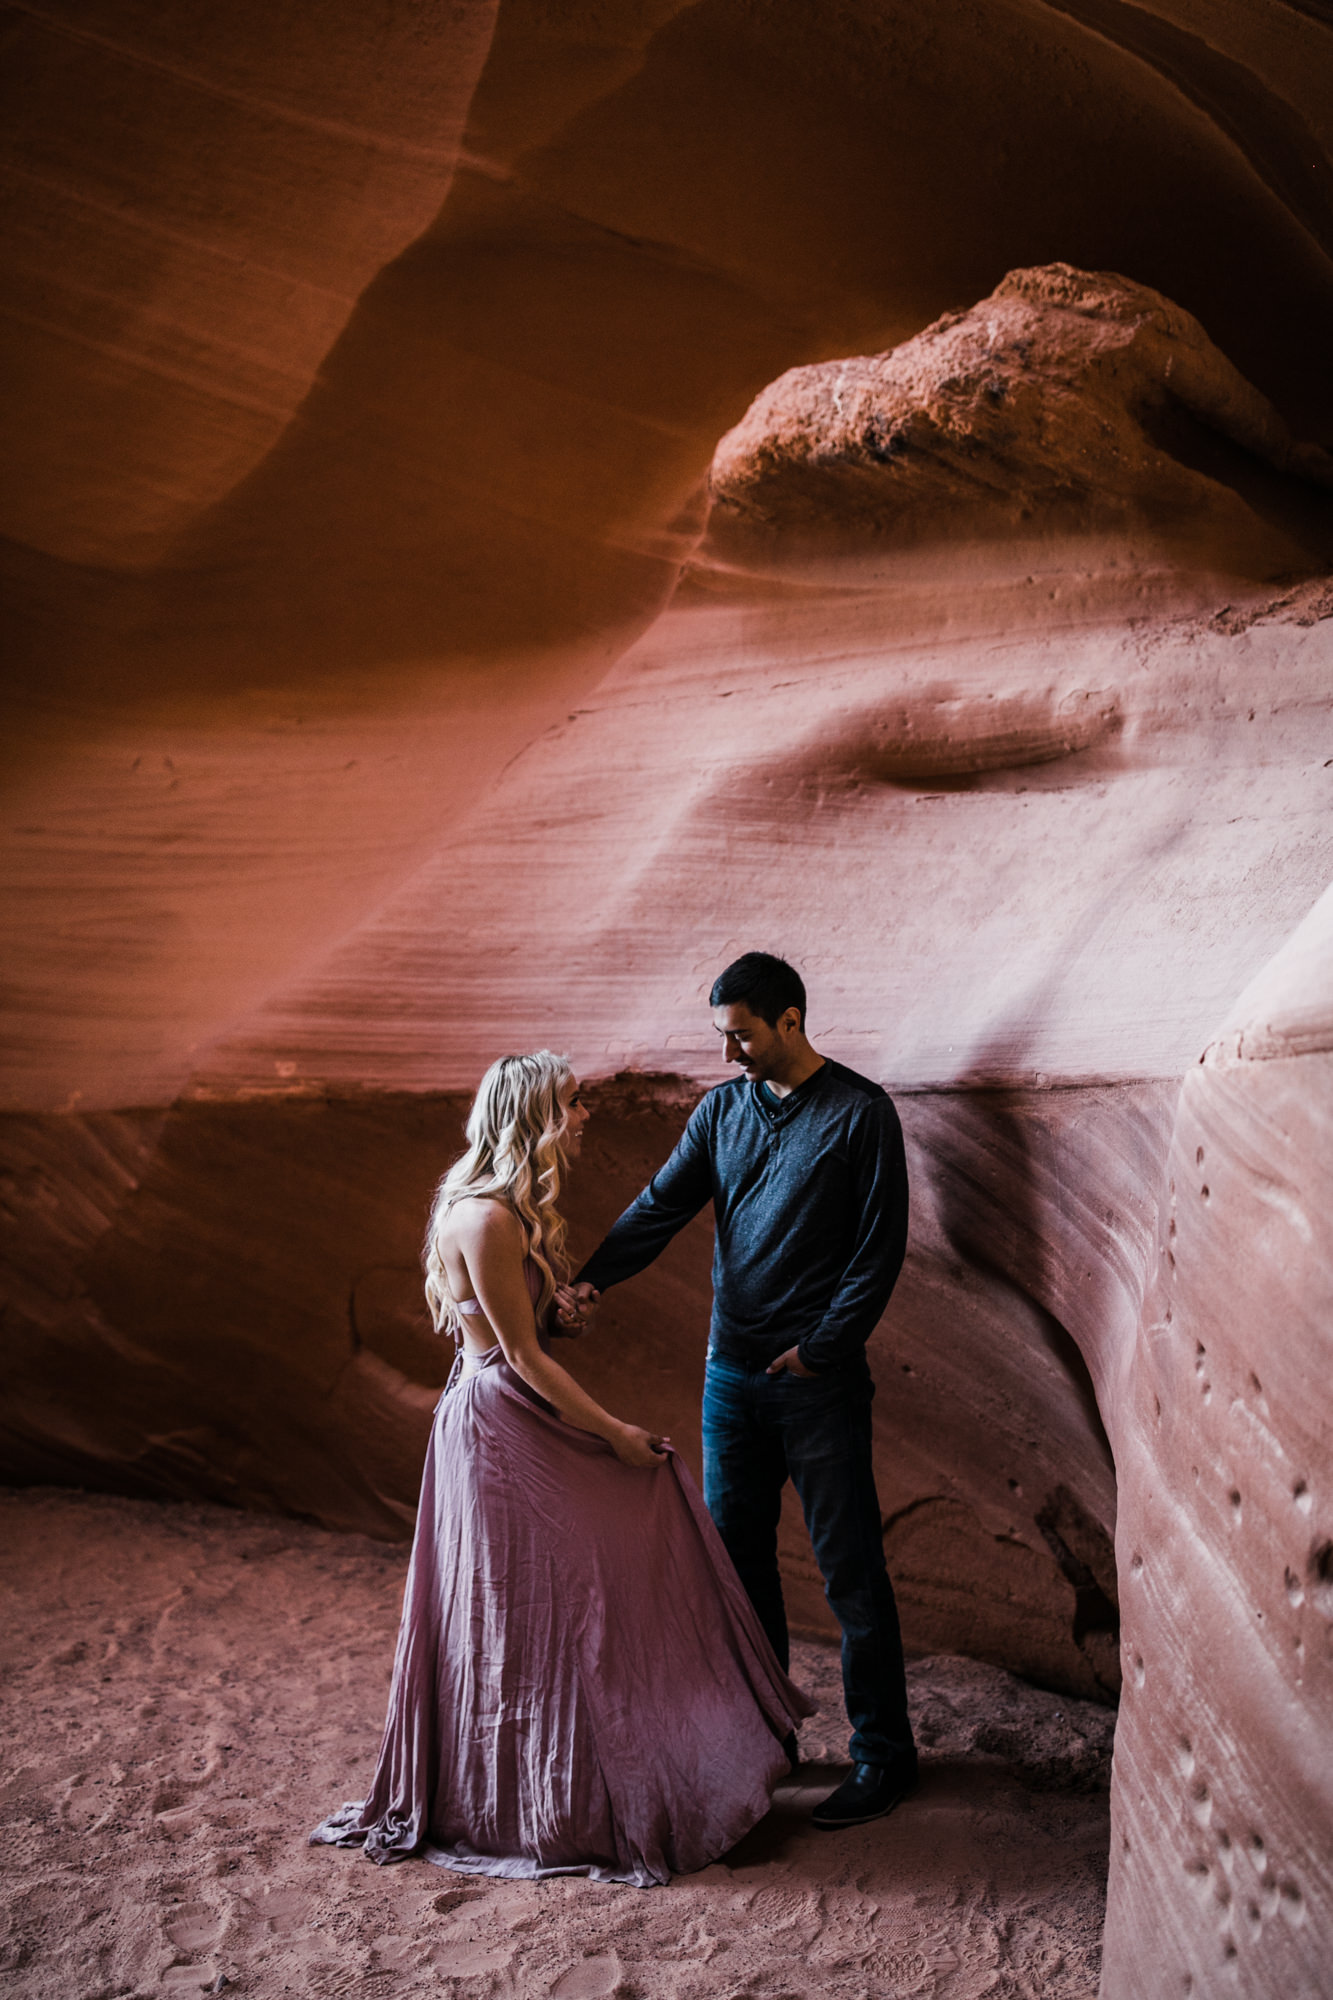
(290, 1365)
(498, 457)
(361, 722)
(1078, 917)
(190, 212)
(1221, 1865)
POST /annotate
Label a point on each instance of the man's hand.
(790, 1363)
(576, 1308)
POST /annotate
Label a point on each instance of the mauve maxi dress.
(581, 1685)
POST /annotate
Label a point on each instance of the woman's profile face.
(576, 1115)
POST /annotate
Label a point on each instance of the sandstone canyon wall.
(498, 524)
(1224, 1526)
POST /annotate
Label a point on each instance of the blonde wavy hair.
(514, 1130)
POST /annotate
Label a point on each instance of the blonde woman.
(581, 1684)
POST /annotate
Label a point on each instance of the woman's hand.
(493, 1244)
(633, 1446)
(575, 1309)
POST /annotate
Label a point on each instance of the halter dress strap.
(465, 1361)
(462, 1355)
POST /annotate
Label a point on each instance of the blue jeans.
(759, 1431)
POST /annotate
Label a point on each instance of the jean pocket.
(827, 1378)
(829, 1386)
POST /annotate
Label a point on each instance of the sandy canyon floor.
(186, 1690)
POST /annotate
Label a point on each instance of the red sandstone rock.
(1221, 1864)
(660, 210)
(1032, 798)
(1052, 405)
(193, 206)
(829, 720)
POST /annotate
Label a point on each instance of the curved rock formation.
(1051, 406)
(388, 691)
(1112, 786)
(495, 456)
(1220, 1862)
(192, 211)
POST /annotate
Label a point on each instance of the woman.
(581, 1685)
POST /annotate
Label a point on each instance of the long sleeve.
(878, 1249)
(673, 1197)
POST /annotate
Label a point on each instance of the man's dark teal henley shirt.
(809, 1195)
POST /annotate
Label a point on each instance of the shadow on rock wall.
(236, 1288)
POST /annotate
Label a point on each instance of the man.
(803, 1162)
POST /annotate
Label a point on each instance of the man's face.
(749, 1041)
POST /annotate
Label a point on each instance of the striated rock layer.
(1066, 401)
(288, 1364)
(189, 212)
(364, 724)
(1221, 1862)
(363, 381)
(999, 779)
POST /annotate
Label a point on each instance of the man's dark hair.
(768, 986)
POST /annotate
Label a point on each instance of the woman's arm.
(490, 1237)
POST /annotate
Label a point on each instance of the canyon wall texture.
(297, 649)
(1220, 1862)
(506, 510)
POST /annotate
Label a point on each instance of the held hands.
(633, 1446)
(576, 1308)
(790, 1363)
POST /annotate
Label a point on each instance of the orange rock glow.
(508, 506)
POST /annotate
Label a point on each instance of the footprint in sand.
(469, 1958)
(456, 1899)
(193, 1927)
(465, 1950)
(195, 1930)
(86, 1803)
(275, 1911)
(594, 1978)
(182, 1980)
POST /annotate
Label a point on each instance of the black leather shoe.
(868, 1792)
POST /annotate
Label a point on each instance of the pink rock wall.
(363, 723)
(271, 661)
(1220, 1860)
(192, 212)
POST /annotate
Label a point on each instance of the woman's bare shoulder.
(482, 1218)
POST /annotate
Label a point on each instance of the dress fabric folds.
(581, 1685)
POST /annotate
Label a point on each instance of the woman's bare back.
(479, 1336)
